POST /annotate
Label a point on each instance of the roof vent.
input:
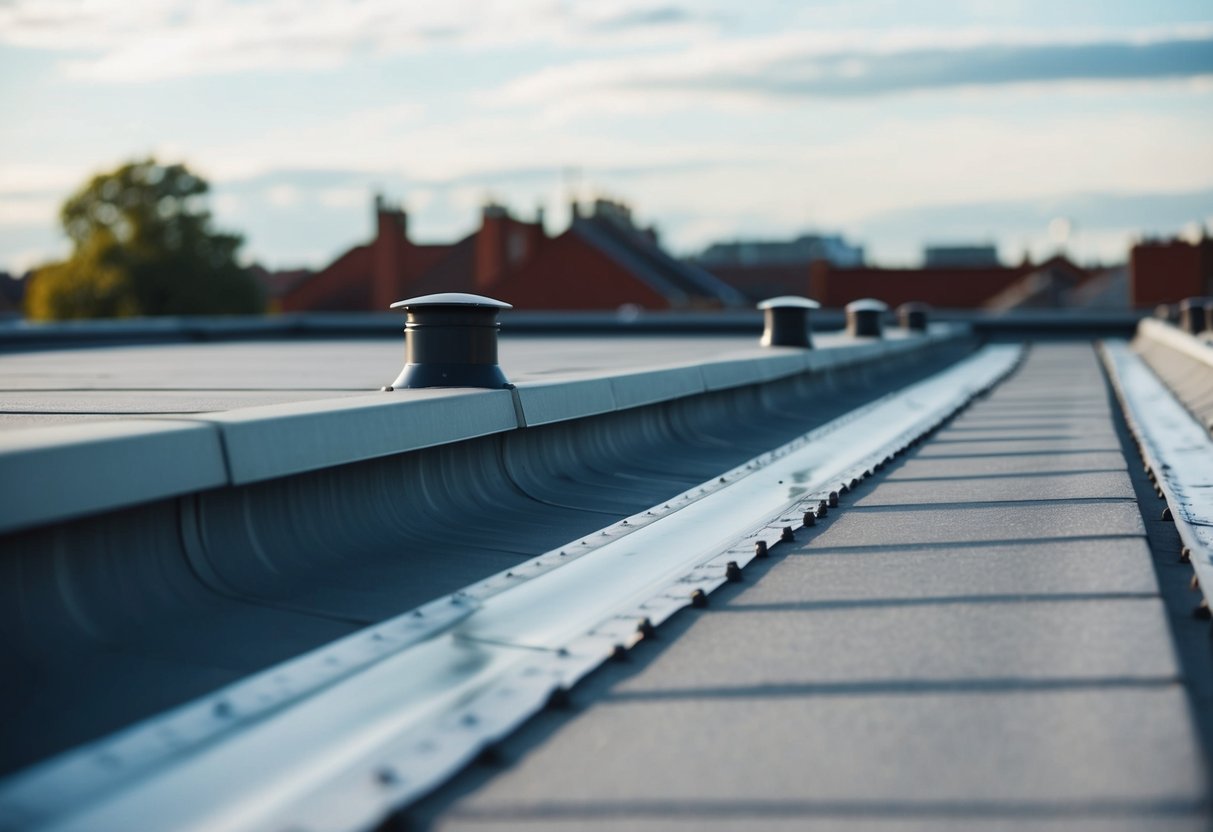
(1194, 314)
(913, 316)
(450, 340)
(865, 318)
(786, 321)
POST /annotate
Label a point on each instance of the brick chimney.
(503, 244)
(388, 252)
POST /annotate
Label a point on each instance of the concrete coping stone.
(57, 473)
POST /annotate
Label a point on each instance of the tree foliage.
(142, 244)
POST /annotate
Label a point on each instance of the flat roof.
(90, 384)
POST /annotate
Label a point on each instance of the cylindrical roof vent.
(786, 321)
(451, 341)
(1192, 314)
(913, 316)
(865, 318)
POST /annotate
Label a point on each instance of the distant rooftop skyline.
(894, 124)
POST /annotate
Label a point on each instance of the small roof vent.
(1194, 314)
(451, 341)
(786, 321)
(913, 316)
(865, 318)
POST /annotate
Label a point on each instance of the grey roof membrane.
(102, 383)
(976, 641)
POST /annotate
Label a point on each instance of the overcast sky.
(895, 123)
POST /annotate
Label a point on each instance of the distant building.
(1059, 284)
(803, 250)
(275, 284)
(602, 261)
(764, 268)
(1167, 271)
(374, 275)
(960, 256)
(950, 287)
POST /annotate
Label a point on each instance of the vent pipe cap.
(913, 316)
(786, 321)
(1193, 314)
(865, 318)
(450, 340)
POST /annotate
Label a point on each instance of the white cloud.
(283, 196)
(21, 262)
(840, 64)
(141, 40)
(35, 177)
(342, 197)
(28, 211)
(224, 203)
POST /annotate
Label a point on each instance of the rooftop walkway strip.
(975, 641)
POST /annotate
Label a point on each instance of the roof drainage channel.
(343, 755)
(1176, 451)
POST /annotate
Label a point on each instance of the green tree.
(142, 244)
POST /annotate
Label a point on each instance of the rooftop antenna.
(571, 181)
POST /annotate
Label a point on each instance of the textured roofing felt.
(975, 642)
